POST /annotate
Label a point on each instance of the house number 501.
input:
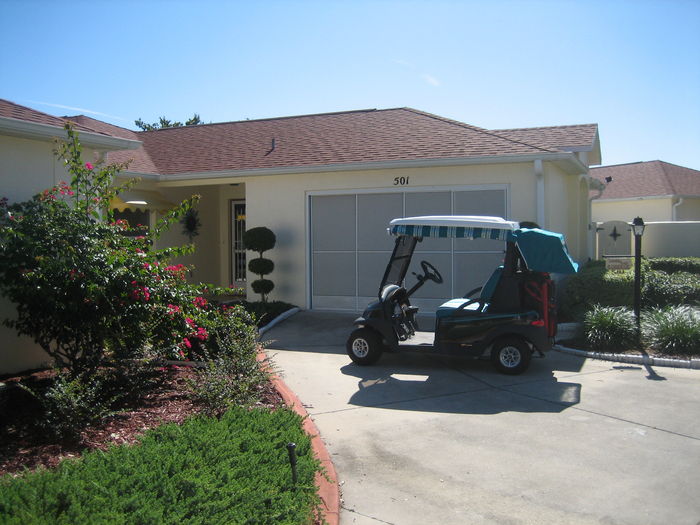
(400, 181)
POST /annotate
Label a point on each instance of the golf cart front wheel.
(511, 355)
(364, 346)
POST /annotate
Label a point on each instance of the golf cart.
(507, 319)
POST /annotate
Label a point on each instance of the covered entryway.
(350, 246)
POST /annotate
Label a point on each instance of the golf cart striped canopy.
(457, 226)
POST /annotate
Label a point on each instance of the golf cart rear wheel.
(511, 355)
(364, 346)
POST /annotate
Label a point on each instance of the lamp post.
(638, 230)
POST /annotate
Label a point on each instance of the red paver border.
(327, 482)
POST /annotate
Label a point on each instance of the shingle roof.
(648, 179)
(567, 138)
(15, 111)
(139, 160)
(324, 139)
(350, 137)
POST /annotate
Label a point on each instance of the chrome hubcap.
(360, 347)
(509, 356)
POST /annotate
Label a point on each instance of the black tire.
(364, 346)
(511, 355)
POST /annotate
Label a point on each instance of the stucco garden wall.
(671, 239)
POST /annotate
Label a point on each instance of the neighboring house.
(655, 191)
(328, 184)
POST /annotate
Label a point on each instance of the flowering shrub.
(84, 290)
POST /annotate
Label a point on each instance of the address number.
(400, 181)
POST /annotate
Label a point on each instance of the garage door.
(350, 246)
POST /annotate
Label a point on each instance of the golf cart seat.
(473, 304)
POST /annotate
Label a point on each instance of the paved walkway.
(419, 439)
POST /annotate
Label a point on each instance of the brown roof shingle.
(647, 179)
(138, 159)
(350, 137)
(15, 111)
(324, 139)
(567, 138)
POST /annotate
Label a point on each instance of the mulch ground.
(23, 446)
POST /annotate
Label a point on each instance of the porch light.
(142, 203)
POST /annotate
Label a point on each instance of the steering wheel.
(430, 272)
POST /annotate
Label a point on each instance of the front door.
(238, 258)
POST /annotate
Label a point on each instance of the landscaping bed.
(23, 447)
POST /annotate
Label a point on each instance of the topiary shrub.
(672, 330)
(610, 328)
(260, 240)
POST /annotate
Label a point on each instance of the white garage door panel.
(371, 267)
(374, 210)
(333, 225)
(350, 246)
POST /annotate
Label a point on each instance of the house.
(327, 185)
(655, 190)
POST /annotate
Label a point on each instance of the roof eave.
(566, 159)
(35, 130)
(647, 198)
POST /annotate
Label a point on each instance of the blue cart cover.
(543, 251)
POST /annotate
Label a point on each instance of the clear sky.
(632, 66)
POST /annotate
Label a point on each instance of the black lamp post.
(638, 230)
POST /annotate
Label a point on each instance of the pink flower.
(201, 334)
(200, 302)
(190, 322)
(89, 166)
(187, 343)
(173, 309)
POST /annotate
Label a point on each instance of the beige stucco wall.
(648, 209)
(280, 203)
(688, 209)
(27, 167)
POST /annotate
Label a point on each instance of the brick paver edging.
(326, 482)
(631, 358)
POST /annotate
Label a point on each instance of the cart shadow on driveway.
(428, 384)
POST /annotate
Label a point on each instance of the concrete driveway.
(420, 439)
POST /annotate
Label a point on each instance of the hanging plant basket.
(190, 224)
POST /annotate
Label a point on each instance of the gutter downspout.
(539, 194)
(593, 227)
(674, 213)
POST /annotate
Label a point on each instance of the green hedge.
(232, 470)
(665, 289)
(594, 285)
(675, 264)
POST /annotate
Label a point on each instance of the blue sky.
(633, 67)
